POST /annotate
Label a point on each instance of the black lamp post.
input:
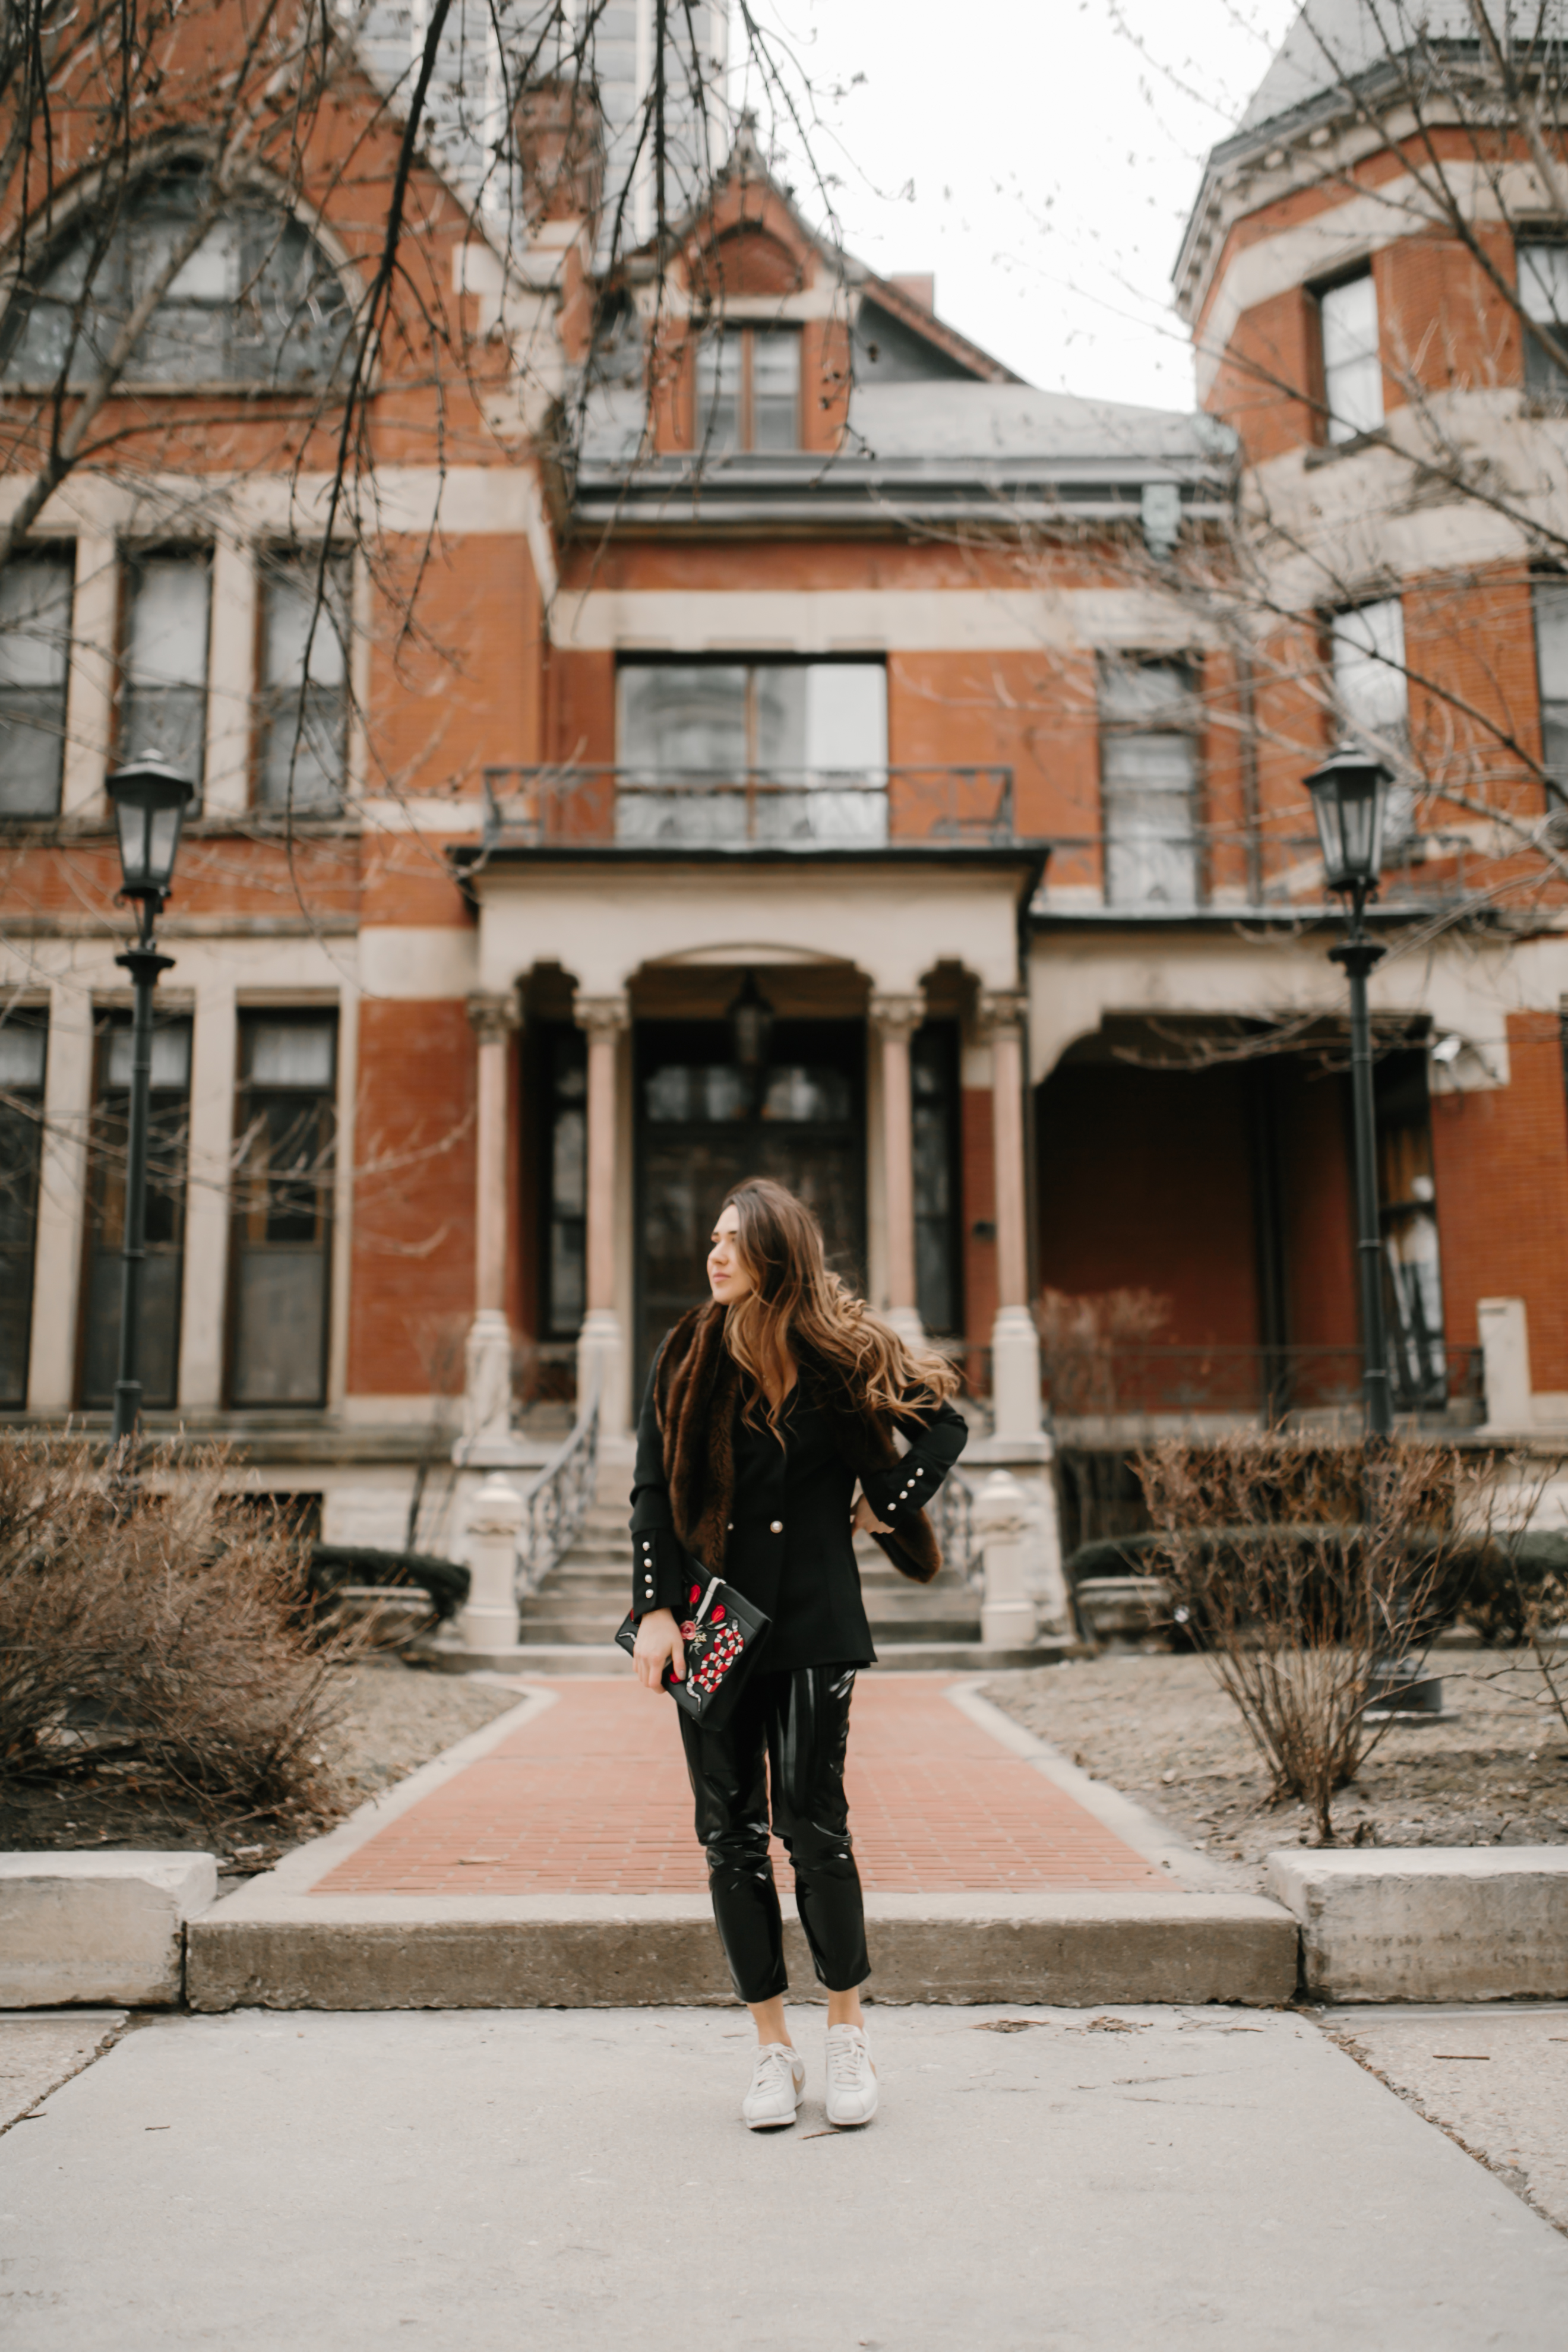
(150, 800)
(1350, 795)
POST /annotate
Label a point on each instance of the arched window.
(257, 303)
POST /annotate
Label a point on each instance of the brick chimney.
(915, 285)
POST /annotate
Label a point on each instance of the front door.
(703, 1123)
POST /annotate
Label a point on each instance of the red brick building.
(833, 764)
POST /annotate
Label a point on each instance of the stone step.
(1088, 1949)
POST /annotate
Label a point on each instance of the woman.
(763, 1408)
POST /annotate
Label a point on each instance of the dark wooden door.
(702, 1125)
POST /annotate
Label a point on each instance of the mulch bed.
(1161, 1730)
(395, 1719)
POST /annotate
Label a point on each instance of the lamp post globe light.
(1349, 796)
(150, 799)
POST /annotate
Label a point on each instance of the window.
(34, 662)
(23, 1041)
(1353, 372)
(283, 1172)
(748, 390)
(934, 1085)
(1373, 696)
(1148, 767)
(1544, 296)
(163, 659)
(775, 752)
(167, 1138)
(1551, 598)
(257, 302)
(304, 683)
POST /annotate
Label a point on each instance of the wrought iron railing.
(1269, 1382)
(574, 806)
(558, 1500)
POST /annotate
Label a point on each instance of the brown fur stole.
(698, 1394)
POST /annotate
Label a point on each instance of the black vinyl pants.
(793, 1729)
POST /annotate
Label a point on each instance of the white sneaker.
(776, 2087)
(851, 2077)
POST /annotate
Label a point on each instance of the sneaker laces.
(774, 2068)
(848, 2056)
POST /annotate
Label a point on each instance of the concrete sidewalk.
(479, 2181)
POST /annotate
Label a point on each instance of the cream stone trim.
(1469, 990)
(205, 1273)
(838, 620)
(231, 667)
(89, 686)
(344, 1200)
(602, 921)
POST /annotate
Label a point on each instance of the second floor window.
(1543, 297)
(1353, 369)
(1551, 600)
(1148, 765)
(303, 762)
(748, 390)
(163, 662)
(727, 751)
(35, 664)
(1372, 695)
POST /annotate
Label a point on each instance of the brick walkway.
(592, 1797)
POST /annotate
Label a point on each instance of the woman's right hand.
(658, 1644)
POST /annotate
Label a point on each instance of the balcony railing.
(790, 809)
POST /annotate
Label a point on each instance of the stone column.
(895, 1020)
(1015, 1341)
(487, 1394)
(1008, 1620)
(489, 1615)
(600, 1344)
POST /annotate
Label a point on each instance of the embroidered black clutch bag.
(721, 1637)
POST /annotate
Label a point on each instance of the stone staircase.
(576, 1609)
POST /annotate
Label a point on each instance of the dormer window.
(257, 303)
(748, 390)
(1353, 369)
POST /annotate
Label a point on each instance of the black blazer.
(789, 1546)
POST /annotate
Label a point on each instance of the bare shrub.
(1301, 1568)
(170, 1636)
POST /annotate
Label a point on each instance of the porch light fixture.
(1350, 802)
(750, 1018)
(150, 800)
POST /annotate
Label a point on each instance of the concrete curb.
(95, 1926)
(1430, 1923)
(274, 1951)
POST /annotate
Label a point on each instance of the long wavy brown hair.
(799, 1303)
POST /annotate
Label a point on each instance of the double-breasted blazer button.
(775, 1526)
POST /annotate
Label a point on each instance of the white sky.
(1041, 156)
